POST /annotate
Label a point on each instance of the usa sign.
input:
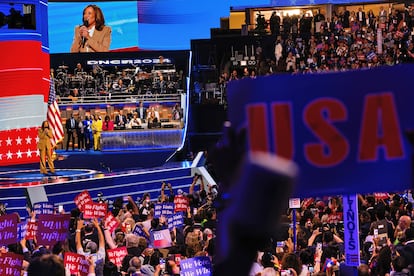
(346, 131)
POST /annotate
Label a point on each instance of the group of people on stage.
(87, 130)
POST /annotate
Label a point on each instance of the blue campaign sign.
(44, 208)
(346, 131)
(196, 266)
(165, 209)
(175, 220)
(351, 227)
(139, 231)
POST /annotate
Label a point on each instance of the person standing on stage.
(96, 130)
(80, 132)
(71, 128)
(45, 148)
(88, 132)
(92, 35)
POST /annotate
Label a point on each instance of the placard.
(176, 220)
(11, 264)
(180, 203)
(31, 229)
(8, 229)
(76, 264)
(351, 139)
(52, 228)
(94, 210)
(43, 208)
(165, 209)
(351, 230)
(200, 266)
(21, 230)
(161, 238)
(110, 222)
(139, 231)
(116, 255)
(82, 198)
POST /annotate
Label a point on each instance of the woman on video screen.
(92, 35)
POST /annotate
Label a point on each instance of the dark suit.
(360, 16)
(121, 120)
(71, 128)
(142, 113)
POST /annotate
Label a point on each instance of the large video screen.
(120, 16)
(146, 25)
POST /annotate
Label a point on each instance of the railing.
(112, 98)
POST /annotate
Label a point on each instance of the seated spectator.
(121, 120)
(135, 122)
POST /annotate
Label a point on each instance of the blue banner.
(139, 231)
(346, 131)
(176, 220)
(196, 266)
(351, 227)
(44, 208)
(165, 209)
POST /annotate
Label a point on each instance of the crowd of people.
(386, 237)
(345, 41)
(91, 238)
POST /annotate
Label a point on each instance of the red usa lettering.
(379, 129)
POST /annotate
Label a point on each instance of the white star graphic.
(9, 155)
(18, 140)
(37, 152)
(19, 154)
(8, 141)
(37, 139)
(28, 140)
(1, 156)
(29, 153)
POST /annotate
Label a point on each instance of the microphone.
(86, 24)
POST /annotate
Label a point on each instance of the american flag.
(53, 115)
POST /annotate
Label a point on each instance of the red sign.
(8, 229)
(31, 229)
(76, 264)
(381, 195)
(94, 210)
(11, 264)
(110, 222)
(82, 199)
(116, 255)
(180, 203)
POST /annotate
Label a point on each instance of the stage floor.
(24, 178)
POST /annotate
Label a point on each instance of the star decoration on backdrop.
(18, 140)
(19, 146)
